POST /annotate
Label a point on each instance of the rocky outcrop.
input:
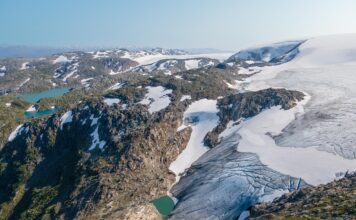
(335, 200)
(274, 54)
(144, 212)
(245, 105)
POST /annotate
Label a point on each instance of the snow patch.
(86, 82)
(100, 54)
(185, 97)
(116, 86)
(32, 108)
(24, 66)
(18, 131)
(96, 141)
(66, 118)
(192, 64)
(111, 101)
(24, 82)
(2, 71)
(61, 59)
(74, 69)
(95, 135)
(156, 98)
(112, 72)
(232, 86)
(202, 117)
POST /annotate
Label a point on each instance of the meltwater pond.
(51, 93)
(164, 205)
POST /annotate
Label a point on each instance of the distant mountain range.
(36, 52)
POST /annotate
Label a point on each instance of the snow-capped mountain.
(275, 53)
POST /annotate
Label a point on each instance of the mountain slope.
(106, 156)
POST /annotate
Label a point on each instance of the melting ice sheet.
(321, 142)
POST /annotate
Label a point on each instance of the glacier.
(272, 152)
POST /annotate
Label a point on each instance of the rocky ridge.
(335, 200)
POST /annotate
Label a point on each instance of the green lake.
(164, 205)
(51, 93)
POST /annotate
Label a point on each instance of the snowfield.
(319, 143)
(156, 98)
(202, 117)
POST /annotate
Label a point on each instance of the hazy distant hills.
(36, 52)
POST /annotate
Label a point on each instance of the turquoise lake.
(51, 93)
(41, 113)
(35, 97)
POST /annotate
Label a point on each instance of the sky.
(220, 24)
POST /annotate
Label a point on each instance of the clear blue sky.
(223, 24)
